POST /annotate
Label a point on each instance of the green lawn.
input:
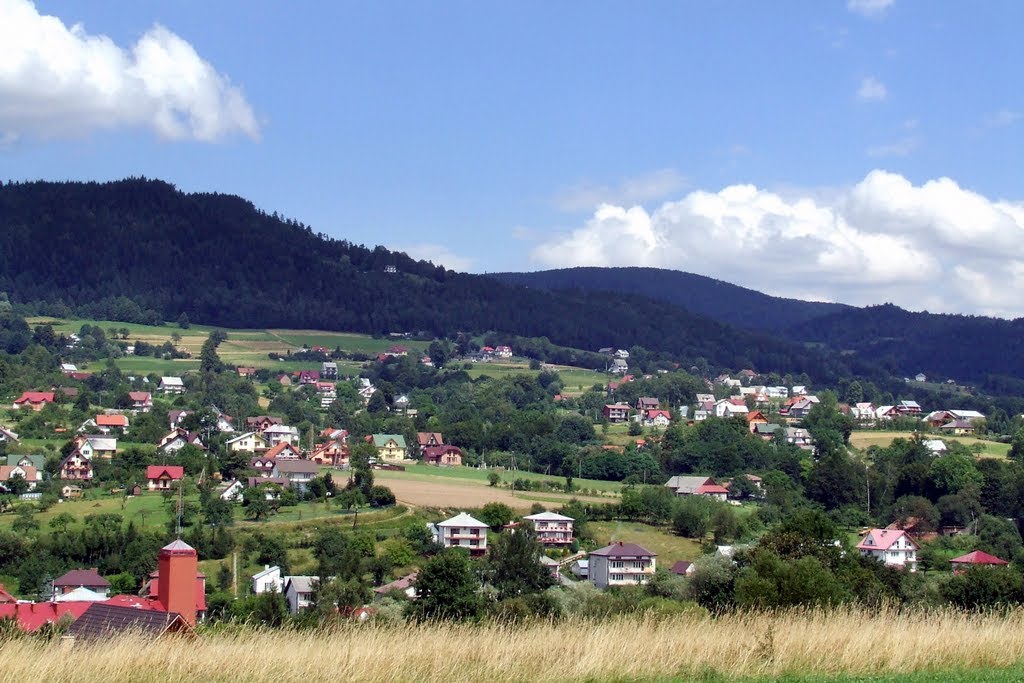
(360, 343)
(574, 380)
(149, 510)
(144, 365)
(667, 545)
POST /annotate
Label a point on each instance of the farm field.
(574, 380)
(801, 645)
(480, 476)
(667, 545)
(426, 490)
(864, 439)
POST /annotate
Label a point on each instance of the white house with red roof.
(621, 564)
(142, 401)
(657, 418)
(36, 400)
(503, 351)
(160, 477)
(893, 547)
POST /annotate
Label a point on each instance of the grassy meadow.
(864, 439)
(669, 547)
(840, 645)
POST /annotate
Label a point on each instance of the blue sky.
(860, 151)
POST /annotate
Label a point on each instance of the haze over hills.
(966, 348)
(716, 299)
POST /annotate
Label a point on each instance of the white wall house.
(891, 546)
(621, 564)
(267, 581)
(462, 531)
(552, 528)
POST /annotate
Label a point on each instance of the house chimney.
(178, 565)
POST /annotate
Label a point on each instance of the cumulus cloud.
(59, 81)
(643, 188)
(871, 90)
(869, 8)
(935, 246)
(439, 255)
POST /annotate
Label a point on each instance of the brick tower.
(178, 565)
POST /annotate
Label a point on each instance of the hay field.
(795, 645)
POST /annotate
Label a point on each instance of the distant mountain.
(141, 250)
(716, 299)
(965, 348)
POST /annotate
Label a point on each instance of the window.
(616, 577)
(617, 564)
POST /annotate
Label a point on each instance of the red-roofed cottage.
(162, 476)
(894, 547)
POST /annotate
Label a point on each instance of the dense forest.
(984, 351)
(139, 250)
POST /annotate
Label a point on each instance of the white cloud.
(900, 148)
(439, 255)
(57, 81)
(999, 119)
(936, 246)
(643, 188)
(871, 90)
(869, 8)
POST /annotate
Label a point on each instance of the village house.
(107, 423)
(798, 436)
(308, 376)
(176, 417)
(298, 472)
(250, 442)
(298, 592)
(77, 579)
(268, 580)
(329, 370)
(697, 486)
(424, 439)
(171, 385)
(231, 491)
(178, 438)
(246, 372)
(766, 431)
(161, 477)
(755, 418)
(908, 408)
(893, 547)
(503, 351)
(730, 407)
(657, 418)
(461, 531)
(616, 412)
(389, 446)
(621, 564)
(958, 427)
(863, 411)
(334, 450)
(263, 466)
(36, 400)
(276, 434)
(7, 436)
(443, 456)
(283, 451)
(96, 446)
(260, 423)
(646, 403)
(142, 401)
(76, 467)
(683, 568)
(405, 584)
(618, 366)
(552, 528)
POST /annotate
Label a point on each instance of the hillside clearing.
(864, 439)
(667, 545)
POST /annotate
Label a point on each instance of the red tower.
(178, 565)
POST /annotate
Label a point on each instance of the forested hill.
(976, 349)
(706, 296)
(138, 249)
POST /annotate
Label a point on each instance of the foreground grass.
(800, 645)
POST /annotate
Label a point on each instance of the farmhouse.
(461, 531)
(298, 472)
(177, 439)
(142, 401)
(172, 385)
(250, 442)
(444, 456)
(75, 466)
(697, 486)
(621, 564)
(893, 547)
(81, 578)
(36, 400)
(160, 477)
(389, 446)
(552, 528)
(616, 412)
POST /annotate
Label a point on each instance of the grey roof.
(463, 520)
(101, 620)
(685, 484)
(549, 517)
(621, 549)
(300, 584)
(296, 466)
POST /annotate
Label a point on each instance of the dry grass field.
(792, 645)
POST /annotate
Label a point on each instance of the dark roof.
(89, 578)
(101, 620)
(297, 466)
(624, 550)
(680, 567)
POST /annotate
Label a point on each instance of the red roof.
(883, 539)
(175, 472)
(651, 414)
(111, 421)
(710, 489)
(90, 578)
(139, 395)
(281, 448)
(34, 615)
(35, 397)
(154, 587)
(978, 557)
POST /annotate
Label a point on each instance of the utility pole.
(234, 574)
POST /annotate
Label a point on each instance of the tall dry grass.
(797, 643)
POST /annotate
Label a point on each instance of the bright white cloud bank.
(935, 246)
(57, 81)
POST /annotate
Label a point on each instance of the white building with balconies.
(621, 564)
(552, 528)
(462, 531)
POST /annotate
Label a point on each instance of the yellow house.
(389, 446)
(250, 442)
